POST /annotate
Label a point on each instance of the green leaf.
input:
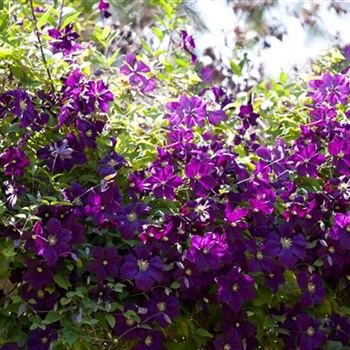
(70, 18)
(110, 320)
(203, 333)
(158, 33)
(236, 68)
(62, 282)
(44, 18)
(52, 317)
(283, 77)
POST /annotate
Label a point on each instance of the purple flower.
(312, 288)
(111, 163)
(103, 7)
(99, 91)
(189, 111)
(105, 264)
(21, 105)
(340, 329)
(306, 160)
(10, 346)
(38, 275)
(331, 88)
(143, 269)
(230, 340)
(14, 161)
(63, 154)
(130, 220)
(64, 40)
(288, 248)
(136, 71)
(163, 182)
(53, 241)
(248, 116)
(340, 150)
(235, 288)
(202, 181)
(341, 230)
(41, 339)
(188, 45)
(12, 191)
(208, 251)
(151, 340)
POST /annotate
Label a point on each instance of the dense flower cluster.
(243, 242)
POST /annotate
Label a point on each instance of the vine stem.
(41, 44)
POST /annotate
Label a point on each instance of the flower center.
(347, 228)
(286, 242)
(148, 340)
(143, 265)
(310, 331)
(132, 217)
(105, 262)
(331, 250)
(197, 177)
(227, 347)
(40, 294)
(22, 105)
(188, 272)
(130, 322)
(52, 239)
(39, 269)
(259, 255)
(161, 306)
(235, 287)
(205, 251)
(311, 287)
(44, 340)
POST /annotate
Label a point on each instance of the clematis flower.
(248, 116)
(306, 160)
(105, 264)
(103, 7)
(202, 181)
(136, 71)
(208, 251)
(312, 288)
(340, 150)
(340, 329)
(38, 274)
(288, 248)
(330, 88)
(99, 91)
(188, 45)
(142, 268)
(64, 40)
(14, 161)
(189, 111)
(53, 241)
(41, 339)
(163, 182)
(150, 340)
(341, 230)
(235, 288)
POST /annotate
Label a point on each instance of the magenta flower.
(104, 7)
(188, 45)
(14, 161)
(64, 40)
(207, 252)
(105, 263)
(52, 242)
(312, 288)
(142, 268)
(235, 288)
(164, 182)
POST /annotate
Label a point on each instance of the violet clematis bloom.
(136, 71)
(99, 91)
(143, 269)
(235, 288)
(164, 182)
(202, 181)
(341, 230)
(248, 116)
(151, 340)
(41, 339)
(190, 111)
(53, 242)
(206, 252)
(331, 88)
(14, 161)
(340, 150)
(103, 7)
(64, 40)
(38, 274)
(188, 45)
(313, 291)
(340, 329)
(306, 160)
(105, 264)
(288, 248)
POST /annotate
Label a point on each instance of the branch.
(41, 44)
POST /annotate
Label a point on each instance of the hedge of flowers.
(145, 207)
